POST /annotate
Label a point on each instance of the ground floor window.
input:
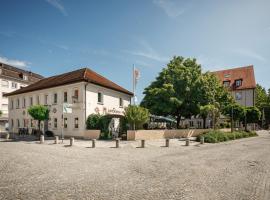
(76, 122)
(65, 122)
(55, 122)
(18, 123)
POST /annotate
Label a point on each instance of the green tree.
(211, 110)
(136, 116)
(177, 90)
(214, 92)
(39, 113)
(93, 122)
(253, 115)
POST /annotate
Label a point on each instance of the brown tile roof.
(80, 75)
(17, 73)
(246, 74)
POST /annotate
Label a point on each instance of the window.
(65, 122)
(5, 83)
(76, 122)
(55, 122)
(25, 77)
(55, 98)
(76, 95)
(226, 83)
(238, 83)
(11, 104)
(100, 98)
(38, 100)
(24, 122)
(13, 85)
(24, 103)
(46, 99)
(18, 123)
(12, 123)
(65, 97)
(238, 95)
(31, 101)
(18, 103)
(191, 123)
(120, 102)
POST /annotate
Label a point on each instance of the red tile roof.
(246, 74)
(81, 75)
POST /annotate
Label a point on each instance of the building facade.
(85, 91)
(241, 83)
(11, 79)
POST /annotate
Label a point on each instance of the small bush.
(219, 136)
(49, 133)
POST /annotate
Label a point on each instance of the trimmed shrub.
(219, 136)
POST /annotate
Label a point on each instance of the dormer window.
(226, 83)
(227, 76)
(238, 83)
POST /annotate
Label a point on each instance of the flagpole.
(133, 83)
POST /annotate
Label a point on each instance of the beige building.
(241, 83)
(11, 79)
(83, 90)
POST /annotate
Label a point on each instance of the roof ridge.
(235, 68)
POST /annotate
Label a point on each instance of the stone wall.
(161, 134)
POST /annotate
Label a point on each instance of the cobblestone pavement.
(232, 170)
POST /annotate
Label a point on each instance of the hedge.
(220, 136)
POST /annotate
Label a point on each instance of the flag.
(137, 75)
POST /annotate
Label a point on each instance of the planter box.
(91, 134)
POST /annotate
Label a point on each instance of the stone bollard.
(202, 140)
(56, 141)
(167, 144)
(187, 142)
(7, 136)
(117, 143)
(142, 143)
(93, 143)
(71, 141)
(41, 139)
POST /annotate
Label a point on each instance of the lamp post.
(232, 122)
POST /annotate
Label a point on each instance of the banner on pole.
(67, 108)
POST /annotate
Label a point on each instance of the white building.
(11, 79)
(87, 91)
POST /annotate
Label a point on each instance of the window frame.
(76, 122)
(100, 99)
(240, 81)
(55, 98)
(121, 102)
(65, 122)
(65, 97)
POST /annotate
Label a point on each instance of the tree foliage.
(181, 89)
(39, 113)
(136, 116)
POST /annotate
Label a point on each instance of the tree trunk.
(178, 120)
(204, 122)
(39, 126)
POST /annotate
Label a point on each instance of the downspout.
(85, 103)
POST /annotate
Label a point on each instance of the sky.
(50, 37)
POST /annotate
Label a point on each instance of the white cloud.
(170, 7)
(249, 53)
(58, 5)
(148, 52)
(14, 62)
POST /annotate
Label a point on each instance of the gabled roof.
(17, 73)
(80, 75)
(246, 74)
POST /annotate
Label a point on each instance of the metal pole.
(133, 83)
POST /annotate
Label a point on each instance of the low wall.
(91, 134)
(161, 134)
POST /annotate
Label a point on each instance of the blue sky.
(54, 36)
